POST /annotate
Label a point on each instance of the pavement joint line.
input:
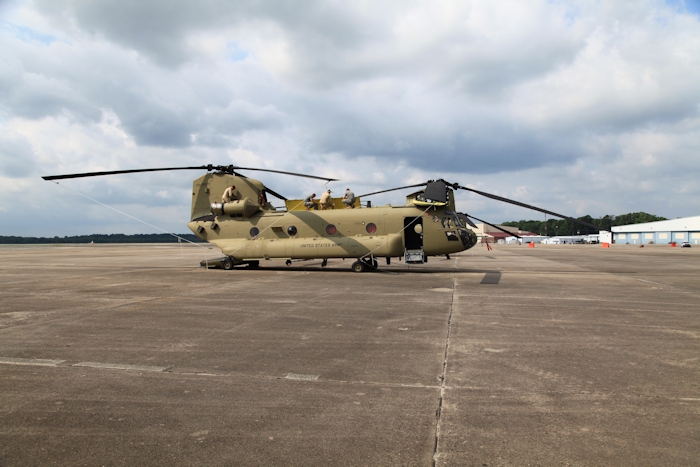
(169, 369)
(438, 414)
(597, 394)
(30, 361)
(119, 366)
(549, 297)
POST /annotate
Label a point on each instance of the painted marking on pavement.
(30, 361)
(302, 377)
(117, 366)
(491, 278)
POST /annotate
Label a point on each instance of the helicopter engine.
(244, 207)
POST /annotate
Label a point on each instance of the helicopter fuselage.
(382, 231)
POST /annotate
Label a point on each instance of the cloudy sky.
(589, 107)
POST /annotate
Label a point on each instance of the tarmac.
(557, 355)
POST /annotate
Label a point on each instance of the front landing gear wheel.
(359, 266)
(226, 264)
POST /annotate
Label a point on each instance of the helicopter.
(249, 228)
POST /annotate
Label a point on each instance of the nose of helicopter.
(468, 238)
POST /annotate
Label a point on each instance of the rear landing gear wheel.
(288, 262)
(324, 263)
(359, 266)
(226, 264)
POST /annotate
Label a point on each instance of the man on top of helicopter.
(326, 202)
(229, 195)
(349, 199)
(310, 202)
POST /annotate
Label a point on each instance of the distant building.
(686, 229)
(525, 239)
(487, 233)
(571, 239)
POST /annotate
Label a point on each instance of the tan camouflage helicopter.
(249, 229)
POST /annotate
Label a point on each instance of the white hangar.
(686, 229)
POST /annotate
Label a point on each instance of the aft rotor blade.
(115, 172)
(497, 227)
(286, 173)
(231, 169)
(528, 206)
(393, 189)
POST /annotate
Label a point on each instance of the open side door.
(413, 240)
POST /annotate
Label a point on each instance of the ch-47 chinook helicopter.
(250, 229)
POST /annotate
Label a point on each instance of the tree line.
(100, 238)
(564, 227)
(551, 227)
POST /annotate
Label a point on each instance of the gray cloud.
(17, 157)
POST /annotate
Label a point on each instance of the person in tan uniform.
(229, 195)
(326, 202)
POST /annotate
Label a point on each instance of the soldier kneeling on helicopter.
(349, 199)
(310, 203)
(325, 202)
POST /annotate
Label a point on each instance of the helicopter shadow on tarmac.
(491, 276)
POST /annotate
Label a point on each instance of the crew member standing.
(326, 202)
(349, 199)
(229, 195)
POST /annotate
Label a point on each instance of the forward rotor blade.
(528, 206)
(466, 219)
(286, 173)
(393, 189)
(276, 195)
(115, 172)
(497, 227)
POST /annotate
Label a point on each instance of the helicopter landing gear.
(288, 262)
(324, 263)
(363, 264)
(226, 264)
